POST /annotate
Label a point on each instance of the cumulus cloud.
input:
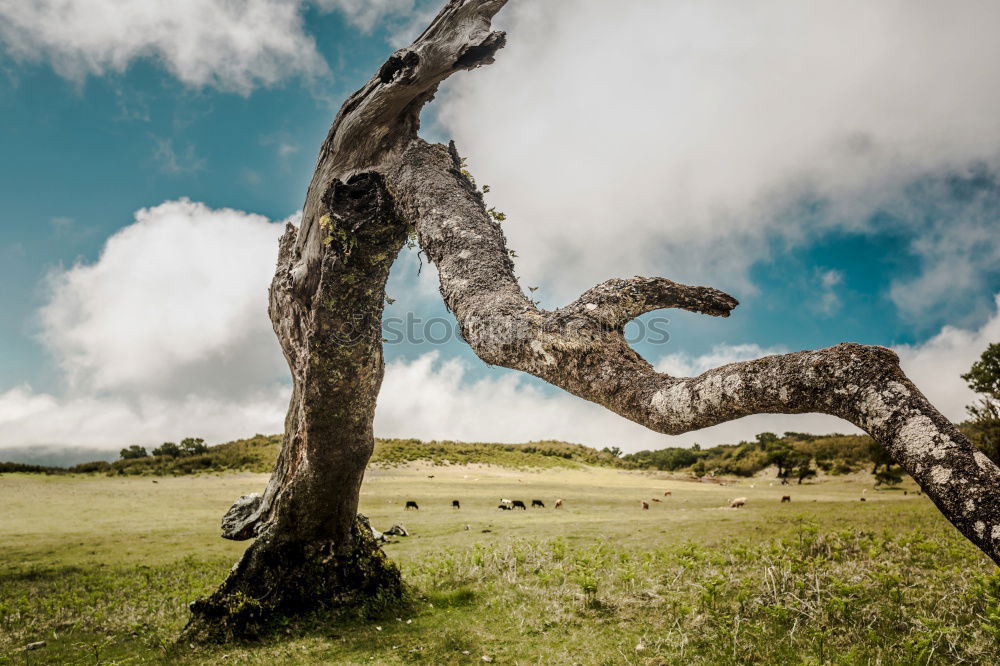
(936, 365)
(28, 418)
(366, 13)
(685, 137)
(165, 335)
(176, 303)
(955, 221)
(231, 46)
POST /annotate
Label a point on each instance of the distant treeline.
(795, 455)
(258, 453)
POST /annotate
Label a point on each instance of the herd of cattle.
(510, 505)
(505, 504)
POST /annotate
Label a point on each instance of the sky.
(835, 165)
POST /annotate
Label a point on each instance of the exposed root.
(275, 579)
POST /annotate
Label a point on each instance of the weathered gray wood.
(376, 179)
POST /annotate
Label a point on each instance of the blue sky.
(838, 193)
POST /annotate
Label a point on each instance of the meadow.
(101, 568)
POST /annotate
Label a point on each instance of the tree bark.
(311, 548)
(374, 181)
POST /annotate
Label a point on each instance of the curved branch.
(582, 350)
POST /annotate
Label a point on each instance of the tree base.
(276, 579)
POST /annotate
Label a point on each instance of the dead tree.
(376, 182)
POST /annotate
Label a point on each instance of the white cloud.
(681, 137)
(37, 419)
(176, 303)
(936, 365)
(955, 222)
(681, 364)
(234, 46)
(366, 13)
(165, 335)
(829, 300)
(173, 162)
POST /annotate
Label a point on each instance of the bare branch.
(617, 302)
(581, 349)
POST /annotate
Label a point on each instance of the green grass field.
(101, 569)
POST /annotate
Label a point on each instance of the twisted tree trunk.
(375, 180)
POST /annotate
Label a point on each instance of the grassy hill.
(257, 454)
(797, 456)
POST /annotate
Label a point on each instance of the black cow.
(538, 503)
(518, 504)
(503, 507)
(455, 504)
(410, 504)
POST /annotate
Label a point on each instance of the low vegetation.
(796, 455)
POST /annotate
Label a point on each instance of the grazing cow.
(558, 503)
(906, 492)
(410, 504)
(786, 498)
(455, 504)
(667, 493)
(504, 500)
(518, 504)
(539, 503)
(656, 499)
(644, 504)
(863, 499)
(737, 502)
(504, 507)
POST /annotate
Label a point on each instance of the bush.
(134, 451)
(95, 467)
(167, 449)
